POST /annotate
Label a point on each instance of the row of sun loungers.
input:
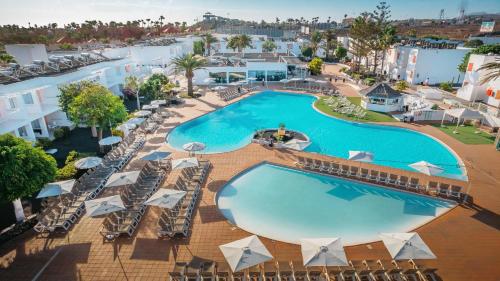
(60, 213)
(344, 106)
(125, 222)
(312, 88)
(177, 221)
(369, 270)
(232, 93)
(388, 179)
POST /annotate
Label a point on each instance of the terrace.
(81, 253)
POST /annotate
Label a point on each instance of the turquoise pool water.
(232, 127)
(287, 205)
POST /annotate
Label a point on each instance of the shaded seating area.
(232, 93)
(61, 212)
(176, 222)
(125, 222)
(442, 187)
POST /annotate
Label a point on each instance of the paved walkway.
(466, 240)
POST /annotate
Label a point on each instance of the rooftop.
(380, 90)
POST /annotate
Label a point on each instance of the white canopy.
(464, 113)
(156, 155)
(104, 205)
(159, 102)
(166, 198)
(123, 178)
(362, 156)
(323, 252)
(296, 144)
(142, 113)
(56, 188)
(110, 140)
(405, 246)
(245, 253)
(219, 88)
(426, 168)
(193, 146)
(88, 162)
(184, 163)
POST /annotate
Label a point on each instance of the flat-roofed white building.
(472, 89)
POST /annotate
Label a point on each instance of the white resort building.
(382, 98)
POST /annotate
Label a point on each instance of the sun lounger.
(443, 189)
(177, 274)
(364, 174)
(362, 272)
(334, 168)
(300, 162)
(254, 273)
(344, 170)
(393, 272)
(285, 272)
(208, 271)
(299, 271)
(270, 271)
(402, 182)
(414, 185)
(353, 172)
(373, 175)
(455, 192)
(314, 273)
(383, 177)
(378, 273)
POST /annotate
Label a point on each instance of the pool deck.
(466, 240)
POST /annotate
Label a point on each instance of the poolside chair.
(238, 276)
(378, 273)
(192, 272)
(414, 184)
(299, 271)
(300, 162)
(354, 171)
(344, 170)
(393, 272)
(309, 163)
(409, 271)
(455, 191)
(393, 179)
(443, 189)
(374, 175)
(325, 166)
(285, 272)
(222, 272)
(334, 168)
(362, 272)
(254, 273)
(270, 271)
(314, 273)
(334, 273)
(364, 174)
(317, 164)
(383, 177)
(207, 271)
(402, 182)
(431, 188)
(177, 274)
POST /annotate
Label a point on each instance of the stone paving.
(466, 240)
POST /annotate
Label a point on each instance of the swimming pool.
(287, 204)
(233, 126)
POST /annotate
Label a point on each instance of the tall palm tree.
(208, 39)
(240, 42)
(188, 63)
(315, 41)
(492, 70)
(386, 39)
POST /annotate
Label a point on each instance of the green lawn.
(371, 116)
(467, 135)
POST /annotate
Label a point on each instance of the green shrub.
(61, 132)
(446, 86)
(435, 107)
(72, 156)
(67, 172)
(315, 66)
(369, 81)
(402, 85)
(43, 143)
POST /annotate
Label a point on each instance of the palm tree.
(188, 63)
(315, 40)
(208, 39)
(240, 42)
(386, 39)
(492, 70)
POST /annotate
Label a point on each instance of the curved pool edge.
(463, 167)
(453, 204)
(453, 152)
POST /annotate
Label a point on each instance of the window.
(220, 77)
(237, 76)
(260, 75)
(22, 132)
(12, 103)
(28, 98)
(37, 129)
(276, 75)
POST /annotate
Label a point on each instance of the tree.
(208, 40)
(240, 42)
(6, 58)
(492, 69)
(330, 42)
(386, 39)
(481, 50)
(24, 169)
(198, 48)
(363, 33)
(340, 52)
(402, 85)
(151, 89)
(315, 66)
(269, 46)
(315, 41)
(70, 91)
(97, 106)
(188, 64)
(307, 52)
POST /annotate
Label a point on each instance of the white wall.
(439, 65)
(26, 53)
(475, 91)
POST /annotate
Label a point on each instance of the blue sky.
(64, 11)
